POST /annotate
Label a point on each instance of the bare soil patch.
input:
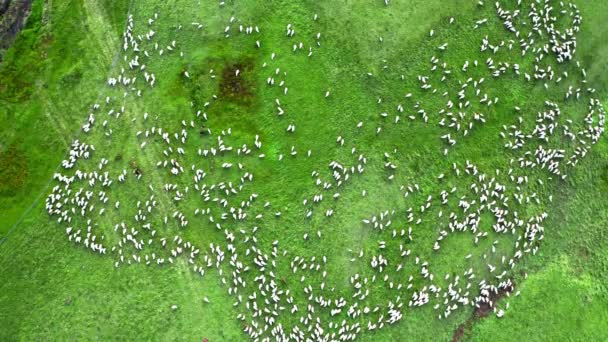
(236, 84)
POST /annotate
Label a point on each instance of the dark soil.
(480, 312)
(485, 309)
(240, 88)
(459, 333)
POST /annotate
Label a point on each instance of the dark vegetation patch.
(236, 84)
(604, 178)
(231, 87)
(13, 170)
(20, 64)
(116, 11)
(71, 78)
(237, 95)
(136, 170)
(13, 16)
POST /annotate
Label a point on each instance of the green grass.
(57, 69)
(64, 72)
(555, 304)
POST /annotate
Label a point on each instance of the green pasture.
(57, 69)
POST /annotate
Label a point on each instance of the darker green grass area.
(13, 170)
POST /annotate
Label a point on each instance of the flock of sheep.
(282, 296)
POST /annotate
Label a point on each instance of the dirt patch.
(485, 309)
(482, 311)
(459, 333)
(236, 84)
(136, 170)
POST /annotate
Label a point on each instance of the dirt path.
(479, 313)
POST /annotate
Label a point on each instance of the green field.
(343, 99)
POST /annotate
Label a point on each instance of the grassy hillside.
(368, 58)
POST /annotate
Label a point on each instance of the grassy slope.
(42, 271)
(61, 66)
(565, 296)
(48, 80)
